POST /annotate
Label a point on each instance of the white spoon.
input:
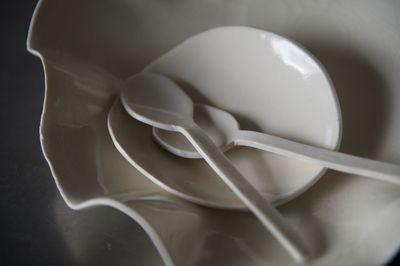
(224, 130)
(156, 100)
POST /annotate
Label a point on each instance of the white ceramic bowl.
(88, 47)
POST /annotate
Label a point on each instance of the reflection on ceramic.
(88, 47)
(224, 130)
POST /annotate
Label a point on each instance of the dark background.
(36, 227)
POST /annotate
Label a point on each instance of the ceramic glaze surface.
(88, 47)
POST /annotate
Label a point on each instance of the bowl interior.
(87, 45)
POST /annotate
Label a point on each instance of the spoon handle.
(260, 207)
(331, 159)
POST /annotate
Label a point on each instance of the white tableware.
(88, 47)
(277, 178)
(158, 101)
(224, 131)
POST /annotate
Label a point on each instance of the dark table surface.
(37, 228)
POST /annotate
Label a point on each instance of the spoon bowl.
(157, 101)
(219, 125)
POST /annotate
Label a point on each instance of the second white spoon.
(224, 130)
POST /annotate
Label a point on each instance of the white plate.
(276, 88)
(87, 47)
